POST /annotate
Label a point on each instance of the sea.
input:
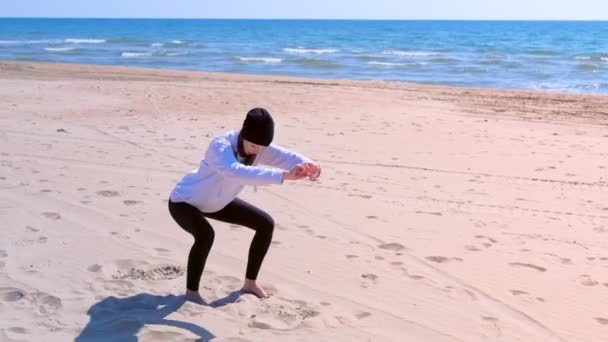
(567, 56)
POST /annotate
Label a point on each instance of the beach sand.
(442, 214)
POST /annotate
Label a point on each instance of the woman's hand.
(310, 170)
(296, 173)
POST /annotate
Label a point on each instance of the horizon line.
(304, 19)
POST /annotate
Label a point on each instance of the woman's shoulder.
(229, 138)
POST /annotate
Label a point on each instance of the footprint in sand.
(518, 292)
(94, 268)
(18, 330)
(11, 294)
(441, 259)
(108, 193)
(150, 273)
(586, 280)
(46, 303)
(411, 276)
(362, 196)
(362, 315)
(31, 229)
(602, 321)
(534, 267)
(472, 248)
(369, 279)
(122, 236)
(395, 247)
(493, 321)
(51, 215)
(3, 253)
(283, 315)
(162, 251)
(488, 241)
(130, 202)
(351, 256)
(429, 213)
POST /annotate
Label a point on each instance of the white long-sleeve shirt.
(220, 176)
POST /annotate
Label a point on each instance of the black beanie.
(258, 127)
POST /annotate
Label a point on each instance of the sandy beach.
(443, 214)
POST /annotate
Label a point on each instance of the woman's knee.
(266, 225)
(204, 236)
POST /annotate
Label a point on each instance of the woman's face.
(251, 148)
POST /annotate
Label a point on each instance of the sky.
(313, 9)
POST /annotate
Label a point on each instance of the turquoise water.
(552, 55)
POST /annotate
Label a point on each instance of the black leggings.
(237, 212)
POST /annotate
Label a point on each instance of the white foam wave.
(177, 53)
(84, 41)
(259, 59)
(389, 64)
(11, 42)
(156, 44)
(605, 59)
(309, 51)
(584, 58)
(135, 54)
(178, 42)
(59, 49)
(410, 53)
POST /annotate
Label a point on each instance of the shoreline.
(7, 65)
(554, 105)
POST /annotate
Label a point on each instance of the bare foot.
(195, 297)
(252, 287)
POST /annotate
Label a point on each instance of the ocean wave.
(410, 53)
(16, 42)
(391, 64)
(588, 67)
(541, 52)
(59, 49)
(258, 59)
(128, 54)
(156, 44)
(155, 53)
(309, 51)
(175, 54)
(605, 59)
(444, 60)
(318, 63)
(84, 41)
(582, 58)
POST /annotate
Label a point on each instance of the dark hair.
(249, 159)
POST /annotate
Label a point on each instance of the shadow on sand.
(121, 319)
